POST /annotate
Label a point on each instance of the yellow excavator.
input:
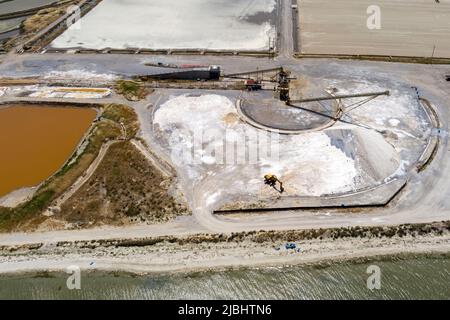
(272, 180)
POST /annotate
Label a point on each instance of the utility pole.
(432, 54)
(271, 52)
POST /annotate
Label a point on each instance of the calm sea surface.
(413, 278)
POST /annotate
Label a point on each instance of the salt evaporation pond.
(36, 141)
(176, 24)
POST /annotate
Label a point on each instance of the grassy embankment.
(37, 22)
(124, 189)
(131, 90)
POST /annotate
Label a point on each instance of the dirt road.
(56, 205)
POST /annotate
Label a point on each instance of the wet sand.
(35, 141)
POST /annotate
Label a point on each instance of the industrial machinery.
(344, 96)
(165, 71)
(253, 85)
(283, 85)
(272, 180)
(255, 78)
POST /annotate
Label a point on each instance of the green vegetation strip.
(131, 90)
(404, 230)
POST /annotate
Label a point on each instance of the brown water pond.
(35, 141)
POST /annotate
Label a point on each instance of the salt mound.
(375, 159)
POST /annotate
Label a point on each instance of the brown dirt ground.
(126, 188)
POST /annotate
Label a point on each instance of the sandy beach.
(166, 257)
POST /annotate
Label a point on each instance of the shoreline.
(391, 257)
(170, 258)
